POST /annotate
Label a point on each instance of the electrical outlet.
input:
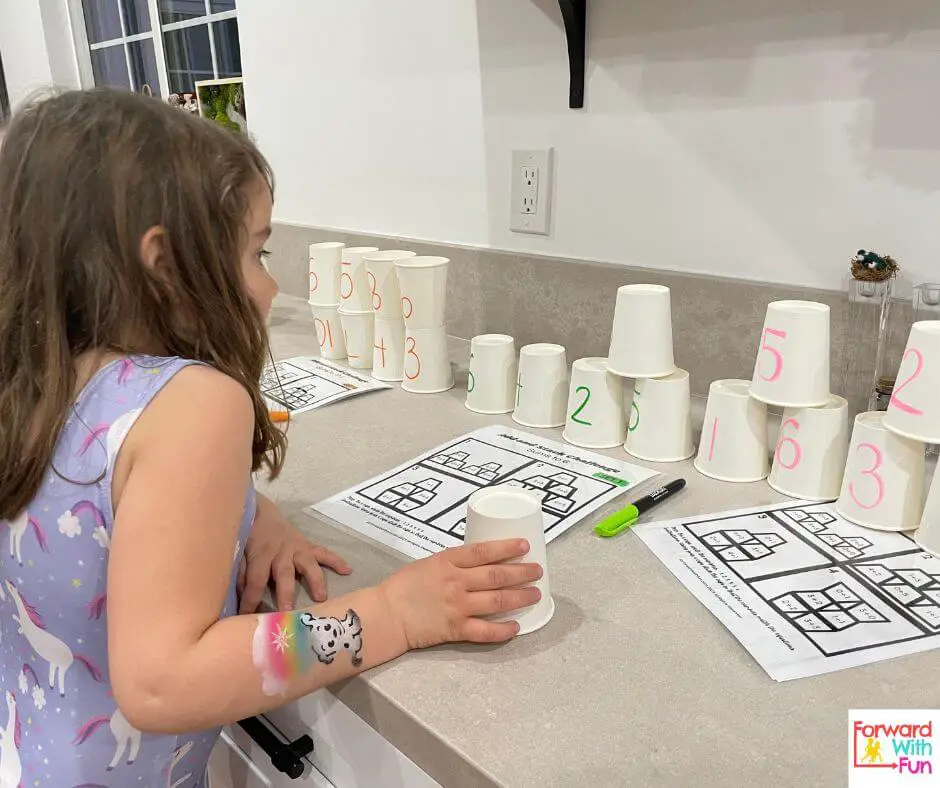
(530, 198)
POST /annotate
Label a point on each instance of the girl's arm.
(180, 486)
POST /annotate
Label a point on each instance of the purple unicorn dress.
(59, 724)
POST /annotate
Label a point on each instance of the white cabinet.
(347, 752)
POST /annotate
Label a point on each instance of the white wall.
(751, 138)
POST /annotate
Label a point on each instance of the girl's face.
(261, 285)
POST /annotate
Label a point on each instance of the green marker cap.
(617, 522)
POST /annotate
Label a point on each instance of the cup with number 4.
(883, 486)
(809, 458)
(734, 438)
(914, 410)
(792, 368)
(596, 417)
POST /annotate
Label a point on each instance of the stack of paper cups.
(809, 459)
(883, 486)
(507, 512)
(660, 424)
(734, 440)
(792, 367)
(542, 387)
(928, 535)
(914, 409)
(389, 344)
(596, 418)
(491, 384)
(423, 285)
(641, 340)
(326, 261)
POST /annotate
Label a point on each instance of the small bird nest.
(873, 267)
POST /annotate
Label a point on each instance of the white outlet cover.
(537, 222)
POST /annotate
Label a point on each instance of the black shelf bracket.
(574, 12)
(287, 758)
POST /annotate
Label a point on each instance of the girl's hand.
(277, 551)
(441, 599)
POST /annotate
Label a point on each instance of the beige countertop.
(632, 683)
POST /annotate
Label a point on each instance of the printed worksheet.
(306, 382)
(420, 508)
(805, 591)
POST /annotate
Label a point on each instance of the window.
(195, 40)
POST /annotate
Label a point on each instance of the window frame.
(84, 49)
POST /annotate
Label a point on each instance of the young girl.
(132, 304)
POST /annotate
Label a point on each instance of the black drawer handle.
(288, 757)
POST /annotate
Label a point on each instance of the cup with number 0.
(734, 439)
(359, 335)
(329, 331)
(388, 350)
(596, 417)
(792, 367)
(660, 421)
(809, 458)
(426, 365)
(928, 535)
(491, 384)
(354, 280)
(423, 284)
(883, 486)
(326, 262)
(542, 386)
(383, 282)
(914, 409)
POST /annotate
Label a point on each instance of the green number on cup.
(471, 382)
(582, 406)
(634, 412)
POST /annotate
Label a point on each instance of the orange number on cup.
(777, 355)
(410, 309)
(381, 349)
(376, 298)
(410, 351)
(896, 401)
(797, 449)
(314, 281)
(346, 340)
(324, 333)
(878, 461)
(345, 285)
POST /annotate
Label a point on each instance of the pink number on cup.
(711, 446)
(778, 356)
(873, 472)
(797, 449)
(373, 288)
(409, 310)
(411, 352)
(895, 399)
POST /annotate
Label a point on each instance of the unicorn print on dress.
(178, 755)
(47, 646)
(11, 770)
(126, 737)
(70, 523)
(38, 694)
(114, 434)
(18, 527)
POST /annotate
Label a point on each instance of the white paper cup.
(883, 486)
(792, 367)
(542, 386)
(423, 284)
(596, 417)
(388, 352)
(641, 340)
(928, 535)
(329, 331)
(660, 421)
(491, 385)
(734, 439)
(326, 263)
(354, 291)
(359, 335)
(809, 458)
(383, 282)
(426, 366)
(506, 512)
(914, 410)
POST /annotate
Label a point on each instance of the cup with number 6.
(596, 417)
(809, 458)
(883, 486)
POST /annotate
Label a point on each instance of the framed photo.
(223, 101)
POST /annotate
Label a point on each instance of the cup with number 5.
(596, 417)
(792, 367)
(809, 458)
(883, 486)
(914, 409)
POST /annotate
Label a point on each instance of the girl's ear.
(153, 250)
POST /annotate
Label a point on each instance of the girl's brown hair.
(83, 176)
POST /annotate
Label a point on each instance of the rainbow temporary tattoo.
(286, 645)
